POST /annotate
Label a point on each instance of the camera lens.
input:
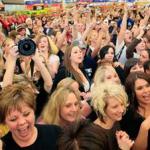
(26, 47)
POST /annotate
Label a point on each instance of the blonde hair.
(103, 92)
(51, 112)
(90, 35)
(6, 41)
(66, 82)
(100, 73)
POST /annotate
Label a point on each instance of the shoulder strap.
(32, 68)
(120, 52)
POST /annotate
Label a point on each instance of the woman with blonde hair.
(62, 108)
(71, 83)
(110, 102)
(68, 82)
(106, 72)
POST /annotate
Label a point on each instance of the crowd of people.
(86, 86)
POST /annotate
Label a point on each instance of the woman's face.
(43, 44)
(70, 110)
(21, 123)
(141, 46)
(142, 91)
(137, 67)
(114, 109)
(112, 76)
(80, 27)
(110, 55)
(94, 36)
(76, 55)
(144, 56)
(147, 42)
(128, 36)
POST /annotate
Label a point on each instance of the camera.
(26, 47)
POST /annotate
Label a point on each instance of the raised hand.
(146, 123)
(13, 53)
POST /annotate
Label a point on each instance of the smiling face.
(21, 123)
(70, 110)
(43, 44)
(110, 55)
(142, 91)
(76, 56)
(137, 67)
(141, 46)
(114, 109)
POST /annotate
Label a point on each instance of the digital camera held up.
(26, 47)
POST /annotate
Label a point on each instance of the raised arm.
(141, 142)
(146, 17)
(123, 26)
(44, 72)
(134, 43)
(88, 29)
(10, 67)
(61, 38)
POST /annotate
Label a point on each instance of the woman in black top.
(17, 107)
(136, 121)
(107, 53)
(72, 68)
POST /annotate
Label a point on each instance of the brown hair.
(14, 95)
(68, 65)
(42, 36)
(81, 135)
(130, 87)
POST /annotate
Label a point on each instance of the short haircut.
(13, 96)
(104, 51)
(101, 93)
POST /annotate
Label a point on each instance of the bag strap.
(120, 52)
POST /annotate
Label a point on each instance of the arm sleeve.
(131, 48)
